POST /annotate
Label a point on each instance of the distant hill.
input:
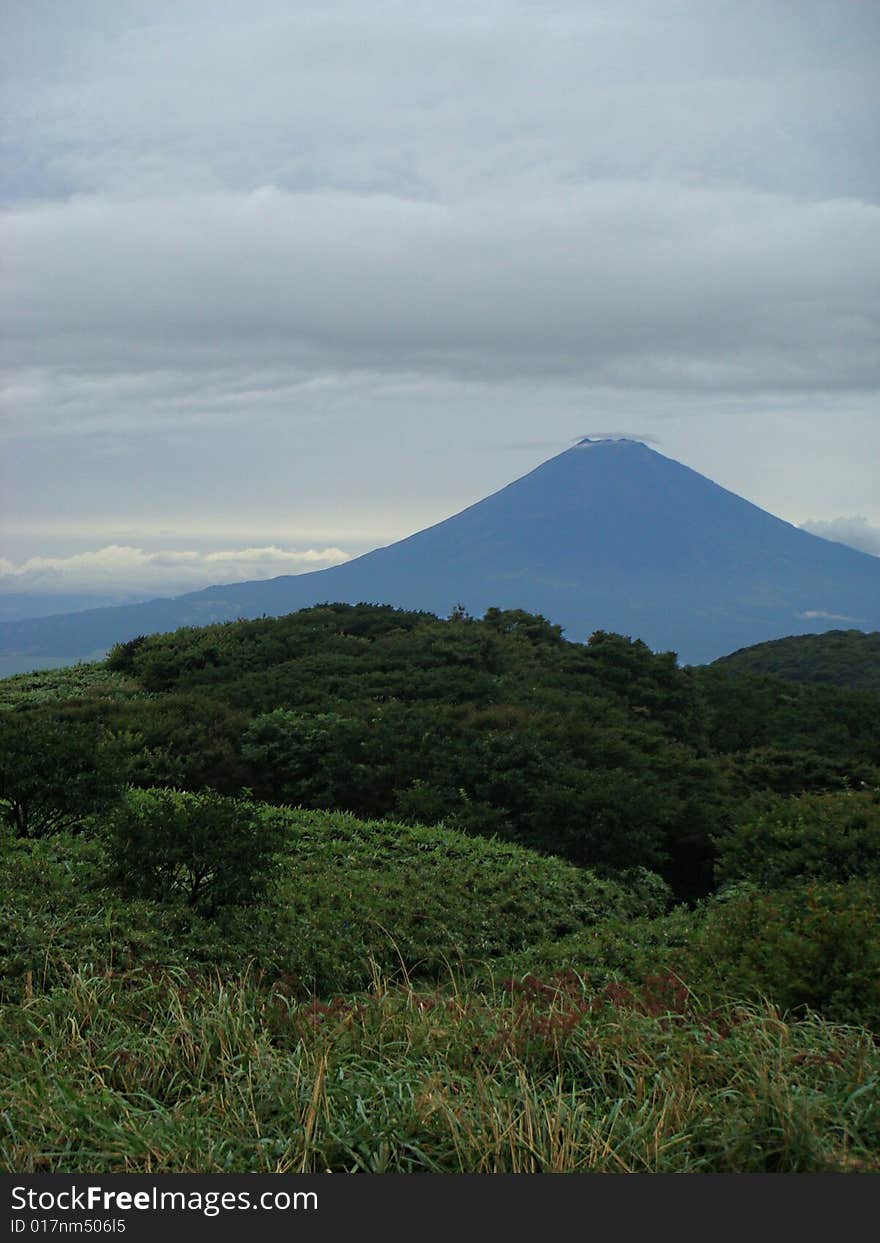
(609, 535)
(15, 605)
(837, 658)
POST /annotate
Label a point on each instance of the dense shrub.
(356, 894)
(310, 759)
(209, 850)
(750, 712)
(836, 658)
(183, 740)
(782, 770)
(121, 657)
(348, 897)
(811, 946)
(828, 837)
(54, 774)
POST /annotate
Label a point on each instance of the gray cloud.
(648, 285)
(857, 532)
(433, 101)
(293, 268)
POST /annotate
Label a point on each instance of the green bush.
(827, 837)
(54, 773)
(304, 758)
(813, 946)
(209, 850)
(347, 897)
(354, 895)
(781, 770)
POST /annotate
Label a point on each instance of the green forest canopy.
(604, 753)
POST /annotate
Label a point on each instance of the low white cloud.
(124, 567)
(822, 615)
(856, 531)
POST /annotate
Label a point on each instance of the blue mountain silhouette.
(609, 535)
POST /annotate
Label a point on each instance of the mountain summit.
(609, 535)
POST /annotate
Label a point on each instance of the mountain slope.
(608, 535)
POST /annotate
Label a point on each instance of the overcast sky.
(286, 280)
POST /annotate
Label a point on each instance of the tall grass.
(174, 1070)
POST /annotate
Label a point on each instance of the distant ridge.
(837, 658)
(609, 535)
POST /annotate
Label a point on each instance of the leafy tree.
(650, 683)
(184, 740)
(121, 657)
(54, 773)
(788, 771)
(304, 758)
(207, 849)
(531, 626)
(746, 712)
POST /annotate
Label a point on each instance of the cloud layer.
(202, 303)
(117, 567)
(268, 264)
(856, 531)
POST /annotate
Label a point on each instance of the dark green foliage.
(220, 653)
(121, 656)
(782, 770)
(496, 727)
(605, 753)
(54, 774)
(179, 739)
(826, 837)
(184, 740)
(311, 759)
(553, 1013)
(749, 713)
(809, 946)
(649, 683)
(530, 626)
(208, 850)
(836, 658)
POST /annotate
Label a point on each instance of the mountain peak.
(590, 441)
(621, 538)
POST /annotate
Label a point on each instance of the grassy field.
(141, 1037)
(172, 1071)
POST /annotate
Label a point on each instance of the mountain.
(609, 535)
